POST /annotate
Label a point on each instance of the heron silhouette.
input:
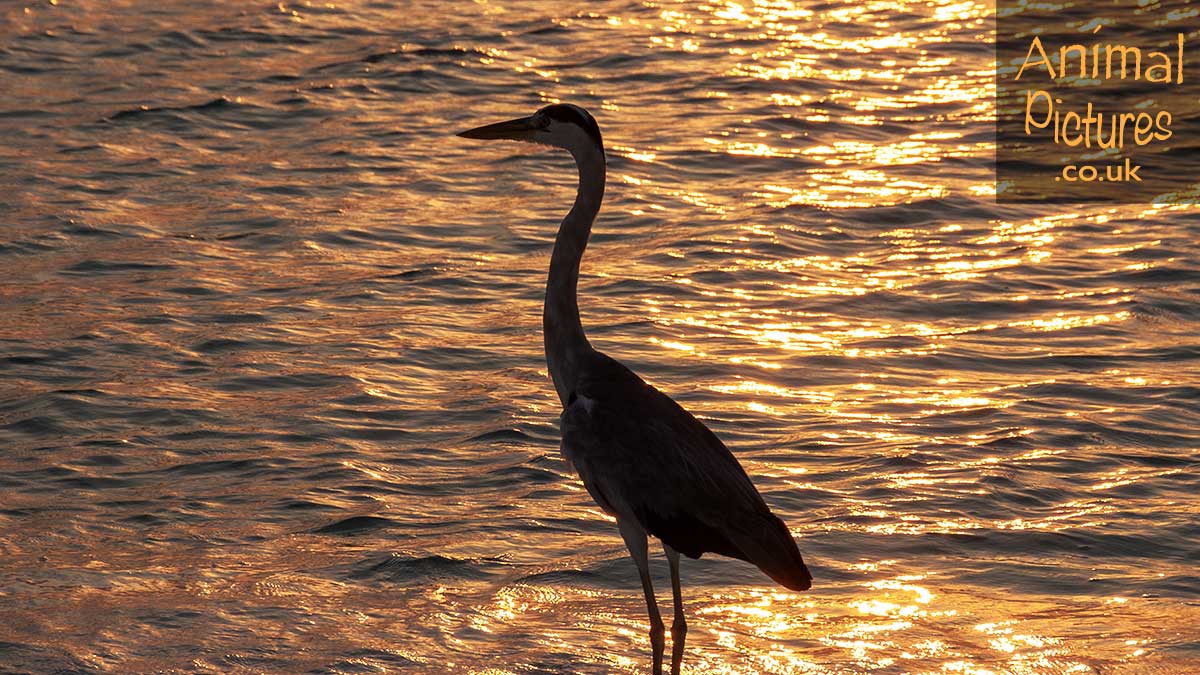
(644, 459)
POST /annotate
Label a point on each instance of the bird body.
(624, 437)
(644, 459)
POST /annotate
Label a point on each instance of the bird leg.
(635, 541)
(679, 625)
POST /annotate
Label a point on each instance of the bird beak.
(516, 130)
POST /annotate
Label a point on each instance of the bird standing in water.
(645, 460)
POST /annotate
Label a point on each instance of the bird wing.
(642, 456)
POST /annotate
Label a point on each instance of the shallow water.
(273, 398)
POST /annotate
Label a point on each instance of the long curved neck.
(565, 342)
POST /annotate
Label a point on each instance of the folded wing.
(642, 456)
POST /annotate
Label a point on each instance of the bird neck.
(565, 342)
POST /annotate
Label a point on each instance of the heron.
(646, 461)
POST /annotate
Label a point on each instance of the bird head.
(561, 125)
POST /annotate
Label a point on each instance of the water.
(273, 398)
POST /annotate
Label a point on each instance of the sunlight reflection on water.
(278, 402)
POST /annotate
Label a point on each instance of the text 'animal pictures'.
(1093, 105)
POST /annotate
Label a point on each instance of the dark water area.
(272, 391)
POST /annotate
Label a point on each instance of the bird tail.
(770, 546)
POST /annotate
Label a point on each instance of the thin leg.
(679, 625)
(635, 541)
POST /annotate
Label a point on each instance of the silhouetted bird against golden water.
(644, 459)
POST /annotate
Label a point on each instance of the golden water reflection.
(905, 260)
(885, 622)
(863, 84)
(808, 228)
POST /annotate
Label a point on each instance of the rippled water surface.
(272, 392)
